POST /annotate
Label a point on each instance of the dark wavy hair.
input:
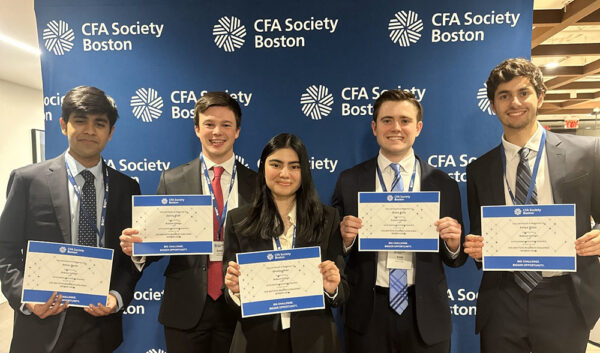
(264, 221)
(84, 100)
(511, 68)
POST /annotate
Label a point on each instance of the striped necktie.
(527, 280)
(398, 284)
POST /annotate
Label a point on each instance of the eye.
(295, 166)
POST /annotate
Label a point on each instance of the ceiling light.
(552, 65)
(26, 47)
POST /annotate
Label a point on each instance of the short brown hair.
(511, 68)
(396, 95)
(86, 100)
(219, 99)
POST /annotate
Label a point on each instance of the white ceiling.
(17, 20)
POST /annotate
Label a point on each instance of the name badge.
(218, 250)
(397, 259)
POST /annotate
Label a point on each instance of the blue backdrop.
(312, 68)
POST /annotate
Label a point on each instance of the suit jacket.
(310, 331)
(37, 208)
(574, 167)
(186, 276)
(431, 289)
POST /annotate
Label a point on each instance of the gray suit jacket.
(574, 166)
(37, 208)
(186, 276)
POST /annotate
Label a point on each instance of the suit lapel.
(192, 176)
(245, 187)
(556, 165)
(495, 181)
(59, 192)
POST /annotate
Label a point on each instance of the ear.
(493, 107)
(237, 133)
(197, 129)
(374, 127)
(540, 100)
(112, 130)
(63, 126)
(419, 127)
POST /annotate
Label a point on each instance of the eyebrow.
(279, 161)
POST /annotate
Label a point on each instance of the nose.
(285, 172)
(216, 130)
(90, 127)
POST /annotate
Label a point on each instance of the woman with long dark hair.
(286, 213)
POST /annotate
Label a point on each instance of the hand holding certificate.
(281, 280)
(393, 221)
(80, 274)
(529, 238)
(173, 224)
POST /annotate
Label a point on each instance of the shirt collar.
(407, 163)
(227, 165)
(533, 144)
(77, 168)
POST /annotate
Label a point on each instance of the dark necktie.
(527, 280)
(398, 284)
(215, 268)
(87, 211)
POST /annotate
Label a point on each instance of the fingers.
(331, 276)
(473, 246)
(588, 244)
(232, 280)
(53, 306)
(127, 238)
(349, 227)
(99, 310)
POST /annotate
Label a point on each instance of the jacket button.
(203, 268)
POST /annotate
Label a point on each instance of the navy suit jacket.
(186, 283)
(37, 208)
(431, 290)
(574, 167)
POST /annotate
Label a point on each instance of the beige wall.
(21, 109)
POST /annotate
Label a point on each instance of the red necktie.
(215, 268)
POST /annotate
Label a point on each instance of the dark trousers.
(80, 333)
(547, 320)
(212, 334)
(390, 332)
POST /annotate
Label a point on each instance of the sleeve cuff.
(139, 262)
(24, 309)
(235, 297)
(119, 299)
(453, 254)
(349, 247)
(332, 297)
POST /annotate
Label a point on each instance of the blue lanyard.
(412, 178)
(220, 217)
(278, 243)
(536, 166)
(89, 219)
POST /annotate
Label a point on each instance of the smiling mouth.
(217, 142)
(516, 114)
(395, 138)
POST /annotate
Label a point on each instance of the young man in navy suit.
(42, 204)
(372, 325)
(193, 311)
(555, 311)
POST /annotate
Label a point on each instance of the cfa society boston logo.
(405, 28)
(316, 102)
(156, 350)
(146, 104)
(482, 100)
(518, 212)
(58, 37)
(62, 249)
(164, 201)
(270, 257)
(229, 33)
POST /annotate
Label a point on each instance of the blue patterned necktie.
(527, 280)
(87, 211)
(398, 284)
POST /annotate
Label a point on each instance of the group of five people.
(278, 208)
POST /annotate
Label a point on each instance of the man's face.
(516, 104)
(87, 135)
(396, 129)
(217, 131)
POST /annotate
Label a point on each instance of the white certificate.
(398, 221)
(280, 281)
(529, 238)
(173, 224)
(80, 273)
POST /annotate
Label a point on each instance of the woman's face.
(282, 173)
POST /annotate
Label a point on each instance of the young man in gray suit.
(193, 310)
(43, 203)
(547, 311)
(373, 323)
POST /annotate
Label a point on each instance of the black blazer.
(574, 167)
(186, 276)
(310, 331)
(431, 290)
(37, 208)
